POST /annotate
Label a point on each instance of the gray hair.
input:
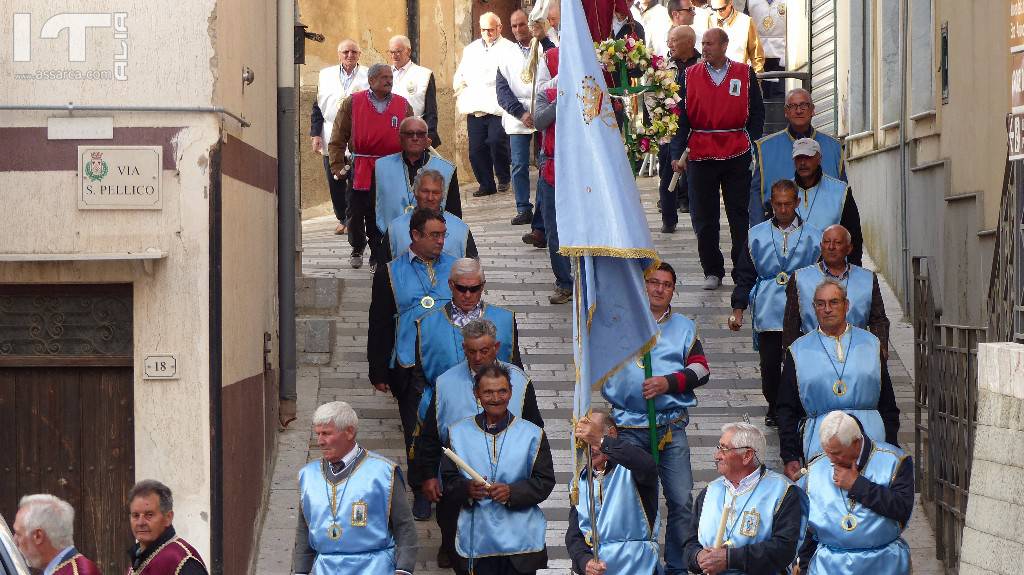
(466, 267)
(723, 36)
(747, 435)
(830, 282)
(148, 487)
(427, 174)
(402, 40)
(53, 515)
(349, 40)
(376, 69)
(337, 413)
(479, 328)
(840, 425)
(796, 91)
(849, 237)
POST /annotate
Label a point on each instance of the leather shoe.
(560, 296)
(667, 229)
(523, 218)
(480, 192)
(356, 261)
(769, 421)
(684, 207)
(712, 282)
(443, 560)
(536, 239)
(503, 187)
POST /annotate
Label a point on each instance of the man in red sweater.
(367, 124)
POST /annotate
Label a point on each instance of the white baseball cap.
(806, 147)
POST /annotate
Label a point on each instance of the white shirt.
(657, 23)
(474, 79)
(746, 483)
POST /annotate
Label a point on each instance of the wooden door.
(66, 408)
(503, 8)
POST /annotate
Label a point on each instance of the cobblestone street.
(519, 277)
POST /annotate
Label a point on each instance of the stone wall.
(992, 540)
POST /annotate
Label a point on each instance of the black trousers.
(670, 217)
(362, 223)
(500, 565)
(407, 392)
(770, 350)
(448, 522)
(706, 177)
(490, 155)
(770, 89)
(338, 189)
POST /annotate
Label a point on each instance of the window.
(944, 62)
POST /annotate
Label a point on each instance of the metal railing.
(945, 415)
(1005, 313)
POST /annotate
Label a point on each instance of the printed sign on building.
(119, 177)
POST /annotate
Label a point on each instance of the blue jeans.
(676, 482)
(559, 263)
(521, 144)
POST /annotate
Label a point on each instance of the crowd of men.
(477, 450)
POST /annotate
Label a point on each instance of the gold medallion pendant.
(782, 278)
(768, 23)
(427, 302)
(839, 388)
(848, 522)
(334, 531)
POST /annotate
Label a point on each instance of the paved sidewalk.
(519, 277)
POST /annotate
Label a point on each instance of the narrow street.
(519, 277)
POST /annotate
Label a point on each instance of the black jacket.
(523, 494)
(768, 557)
(645, 476)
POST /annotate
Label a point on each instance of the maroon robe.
(168, 559)
(78, 564)
(599, 15)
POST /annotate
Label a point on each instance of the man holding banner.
(679, 362)
(603, 229)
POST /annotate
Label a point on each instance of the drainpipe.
(216, 371)
(286, 214)
(412, 25)
(904, 151)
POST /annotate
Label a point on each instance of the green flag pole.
(652, 423)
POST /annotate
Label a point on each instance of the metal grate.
(946, 401)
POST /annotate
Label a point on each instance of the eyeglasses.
(437, 235)
(822, 304)
(720, 10)
(653, 283)
(396, 52)
(414, 133)
(469, 289)
(691, 10)
(725, 449)
(802, 106)
(350, 51)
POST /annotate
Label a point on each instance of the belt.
(718, 131)
(366, 155)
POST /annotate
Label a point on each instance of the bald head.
(490, 27)
(713, 46)
(681, 41)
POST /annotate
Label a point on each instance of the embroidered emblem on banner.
(359, 514)
(749, 523)
(734, 87)
(591, 98)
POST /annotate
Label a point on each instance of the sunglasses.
(469, 289)
(414, 134)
